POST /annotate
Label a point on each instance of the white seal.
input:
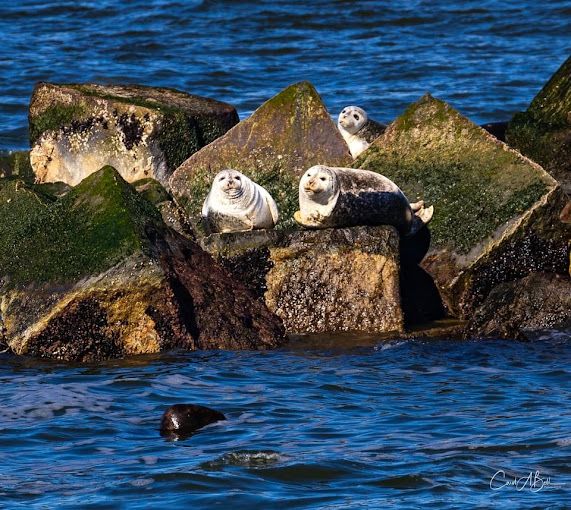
(236, 203)
(357, 129)
(346, 197)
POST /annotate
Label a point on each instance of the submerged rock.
(181, 420)
(283, 137)
(16, 164)
(497, 214)
(96, 274)
(543, 131)
(517, 309)
(320, 281)
(141, 131)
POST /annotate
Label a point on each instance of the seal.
(181, 420)
(346, 197)
(357, 129)
(236, 203)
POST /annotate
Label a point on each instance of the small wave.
(247, 458)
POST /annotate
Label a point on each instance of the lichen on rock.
(97, 274)
(485, 196)
(543, 131)
(286, 135)
(141, 131)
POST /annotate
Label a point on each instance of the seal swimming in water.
(357, 129)
(181, 420)
(345, 197)
(236, 203)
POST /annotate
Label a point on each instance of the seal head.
(357, 129)
(236, 203)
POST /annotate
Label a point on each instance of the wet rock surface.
(320, 281)
(543, 131)
(141, 131)
(490, 202)
(520, 308)
(286, 135)
(97, 274)
(16, 164)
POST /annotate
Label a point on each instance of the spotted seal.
(357, 129)
(345, 197)
(236, 203)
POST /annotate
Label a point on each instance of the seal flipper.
(417, 206)
(421, 218)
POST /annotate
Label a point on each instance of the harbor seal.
(236, 203)
(345, 197)
(357, 129)
(181, 420)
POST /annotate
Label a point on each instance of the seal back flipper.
(417, 206)
(420, 219)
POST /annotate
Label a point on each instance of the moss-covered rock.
(283, 137)
(522, 308)
(543, 131)
(489, 201)
(97, 274)
(141, 131)
(320, 281)
(16, 164)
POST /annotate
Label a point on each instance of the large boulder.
(497, 214)
(141, 131)
(320, 281)
(96, 274)
(543, 131)
(522, 308)
(283, 137)
(16, 164)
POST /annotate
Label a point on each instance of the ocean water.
(405, 424)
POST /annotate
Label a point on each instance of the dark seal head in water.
(346, 197)
(181, 420)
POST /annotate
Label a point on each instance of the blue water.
(408, 424)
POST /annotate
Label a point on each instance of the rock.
(96, 274)
(543, 131)
(497, 214)
(173, 217)
(517, 309)
(181, 420)
(283, 137)
(320, 281)
(16, 164)
(141, 131)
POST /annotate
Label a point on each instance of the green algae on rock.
(96, 274)
(283, 137)
(16, 164)
(543, 131)
(485, 196)
(320, 281)
(141, 131)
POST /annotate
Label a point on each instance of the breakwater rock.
(543, 131)
(319, 281)
(96, 274)
(286, 135)
(497, 214)
(141, 131)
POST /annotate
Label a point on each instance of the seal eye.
(222, 178)
(356, 117)
(237, 178)
(322, 178)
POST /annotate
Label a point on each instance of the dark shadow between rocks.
(420, 298)
(497, 129)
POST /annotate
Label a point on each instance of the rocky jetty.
(96, 274)
(319, 281)
(543, 131)
(283, 137)
(141, 131)
(497, 213)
